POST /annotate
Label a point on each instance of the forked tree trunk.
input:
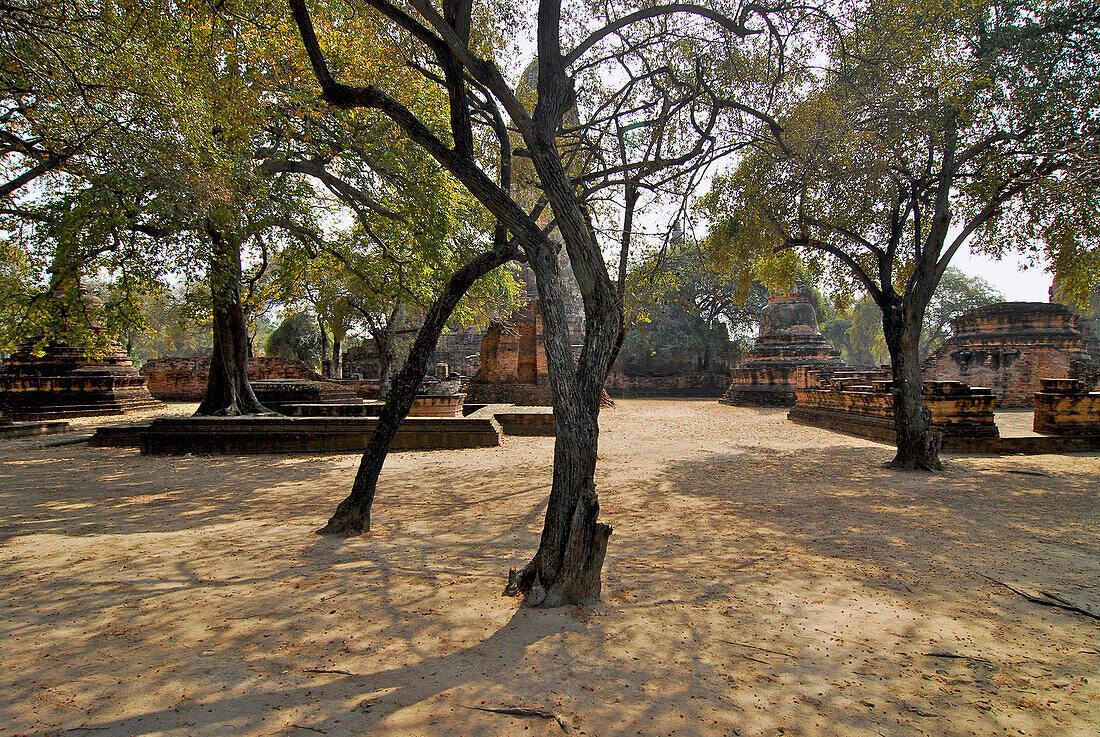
(326, 365)
(228, 391)
(566, 567)
(918, 444)
(337, 359)
(352, 516)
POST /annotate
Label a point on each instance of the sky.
(1008, 275)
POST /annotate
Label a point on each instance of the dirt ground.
(762, 579)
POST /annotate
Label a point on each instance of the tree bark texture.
(228, 391)
(326, 365)
(352, 516)
(918, 444)
(566, 568)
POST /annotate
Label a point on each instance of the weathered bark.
(566, 568)
(228, 391)
(352, 516)
(326, 365)
(918, 444)
(337, 359)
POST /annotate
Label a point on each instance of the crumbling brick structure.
(1011, 347)
(789, 339)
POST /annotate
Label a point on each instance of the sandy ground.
(763, 579)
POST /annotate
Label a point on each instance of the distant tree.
(957, 293)
(933, 126)
(296, 337)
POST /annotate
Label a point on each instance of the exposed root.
(578, 579)
(346, 522)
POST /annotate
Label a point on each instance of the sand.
(762, 579)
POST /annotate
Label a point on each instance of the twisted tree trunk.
(228, 391)
(918, 444)
(352, 516)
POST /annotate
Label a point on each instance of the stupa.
(789, 339)
(64, 381)
(1011, 347)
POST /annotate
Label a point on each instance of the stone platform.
(423, 406)
(1066, 407)
(269, 434)
(963, 415)
(13, 430)
(276, 394)
(521, 420)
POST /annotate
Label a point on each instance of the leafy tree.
(485, 117)
(683, 305)
(934, 125)
(296, 337)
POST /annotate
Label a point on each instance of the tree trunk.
(228, 391)
(326, 366)
(352, 516)
(337, 359)
(567, 565)
(385, 361)
(917, 442)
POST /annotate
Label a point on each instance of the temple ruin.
(47, 379)
(789, 339)
(1011, 347)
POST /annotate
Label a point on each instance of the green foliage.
(683, 302)
(297, 336)
(957, 293)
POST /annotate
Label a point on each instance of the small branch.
(955, 656)
(330, 670)
(761, 649)
(1046, 598)
(524, 711)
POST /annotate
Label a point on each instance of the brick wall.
(185, 378)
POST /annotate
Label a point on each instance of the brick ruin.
(512, 367)
(65, 381)
(184, 379)
(789, 340)
(1067, 407)
(512, 362)
(1011, 347)
(862, 403)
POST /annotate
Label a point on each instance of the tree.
(683, 303)
(295, 337)
(933, 126)
(453, 50)
(956, 293)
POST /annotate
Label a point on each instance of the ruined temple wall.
(185, 378)
(1010, 348)
(1013, 373)
(688, 384)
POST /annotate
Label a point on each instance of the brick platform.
(268, 434)
(1066, 407)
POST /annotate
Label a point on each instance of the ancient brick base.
(1066, 407)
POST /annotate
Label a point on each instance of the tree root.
(1047, 598)
(578, 575)
(346, 522)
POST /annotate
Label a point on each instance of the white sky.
(1011, 275)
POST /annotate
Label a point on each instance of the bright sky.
(1011, 276)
